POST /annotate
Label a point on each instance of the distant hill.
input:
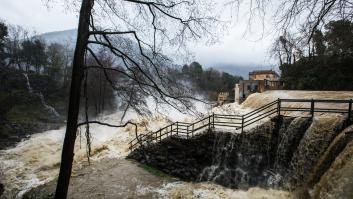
(68, 37)
(240, 70)
(62, 37)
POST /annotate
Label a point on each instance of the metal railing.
(240, 122)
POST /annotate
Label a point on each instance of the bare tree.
(294, 22)
(297, 15)
(17, 34)
(136, 33)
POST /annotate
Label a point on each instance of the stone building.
(264, 74)
(259, 81)
(222, 97)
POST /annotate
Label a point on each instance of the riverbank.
(29, 103)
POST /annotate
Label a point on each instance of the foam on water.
(337, 182)
(36, 161)
(210, 190)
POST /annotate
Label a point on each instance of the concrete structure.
(263, 74)
(222, 97)
(259, 81)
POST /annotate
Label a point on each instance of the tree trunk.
(74, 101)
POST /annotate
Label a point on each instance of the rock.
(2, 189)
(280, 153)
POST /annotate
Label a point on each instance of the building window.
(249, 88)
(256, 87)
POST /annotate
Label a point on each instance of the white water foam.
(36, 161)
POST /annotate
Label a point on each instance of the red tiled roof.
(258, 72)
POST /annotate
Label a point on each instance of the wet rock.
(232, 160)
(281, 154)
(2, 189)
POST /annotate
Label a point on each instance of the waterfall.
(47, 107)
(30, 90)
(313, 144)
(337, 181)
(284, 153)
(241, 160)
(289, 138)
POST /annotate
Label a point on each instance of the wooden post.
(213, 120)
(171, 129)
(279, 106)
(187, 132)
(209, 122)
(242, 123)
(312, 108)
(192, 132)
(349, 110)
(177, 129)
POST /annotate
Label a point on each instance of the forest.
(210, 81)
(325, 63)
(28, 62)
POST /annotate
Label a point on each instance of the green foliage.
(55, 56)
(3, 36)
(33, 53)
(329, 66)
(210, 81)
(26, 114)
(153, 171)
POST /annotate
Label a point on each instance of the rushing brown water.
(111, 178)
(35, 162)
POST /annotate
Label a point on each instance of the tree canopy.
(329, 65)
(209, 81)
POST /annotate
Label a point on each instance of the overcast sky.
(234, 49)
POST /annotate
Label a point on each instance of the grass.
(3, 95)
(26, 114)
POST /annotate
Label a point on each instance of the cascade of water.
(222, 149)
(333, 151)
(289, 138)
(240, 160)
(337, 181)
(313, 144)
(28, 84)
(49, 108)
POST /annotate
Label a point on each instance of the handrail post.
(193, 127)
(187, 132)
(279, 106)
(242, 123)
(209, 122)
(350, 110)
(213, 120)
(312, 108)
(171, 130)
(177, 128)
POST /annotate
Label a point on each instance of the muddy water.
(35, 161)
(110, 178)
(337, 182)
